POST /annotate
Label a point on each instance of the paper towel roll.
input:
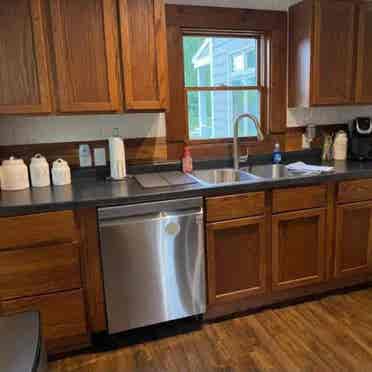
(117, 158)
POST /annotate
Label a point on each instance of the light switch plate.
(99, 157)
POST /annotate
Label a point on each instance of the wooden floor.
(332, 334)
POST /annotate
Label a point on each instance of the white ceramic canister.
(61, 173)
(14, 175)
(340, 146)
(39, 170)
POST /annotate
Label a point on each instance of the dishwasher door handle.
(155, 217)
(179, 206)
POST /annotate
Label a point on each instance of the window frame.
(262, 70)
(273, 25)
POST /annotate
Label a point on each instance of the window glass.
(211, 113)
(232, 61)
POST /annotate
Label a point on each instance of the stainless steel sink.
(223, 176)
(271, 171)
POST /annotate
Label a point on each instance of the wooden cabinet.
(353, 251)
(298, 248)
(364, 55)
(236, 255)
(144, 54)
(63, 320)
(43, 267)
(85, 39)
(235, 206)
(29, 272)
(333, 58)
(94, 69)
(24, 73)
(297, 198)
(322, 50)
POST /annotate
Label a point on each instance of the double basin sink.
(245, 174)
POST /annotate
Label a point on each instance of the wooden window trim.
(261, 78)
(183, 20)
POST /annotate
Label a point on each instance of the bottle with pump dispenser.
(277, 154)
(187, 160)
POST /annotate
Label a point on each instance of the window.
(222, 81)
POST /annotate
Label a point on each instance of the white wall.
(26, 130)
(326, 115)
(38, 129)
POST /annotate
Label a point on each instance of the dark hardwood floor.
(332, 334)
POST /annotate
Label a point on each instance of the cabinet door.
(364, 61)
(298, 244)
(85, 46)
(143, 37)
(353, 239)
(236, 255)
(333, 67)
(63, 320)
(24, 77)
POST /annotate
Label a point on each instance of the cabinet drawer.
(353, 191)
(235, 206)
(298, 198)
(38, 229)
(36, 271)
(63, 318)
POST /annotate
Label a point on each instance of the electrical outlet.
(99, 157)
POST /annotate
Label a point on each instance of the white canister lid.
(60, 163)
(12, 161)
(38, 159)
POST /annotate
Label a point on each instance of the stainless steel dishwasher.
(153, 262)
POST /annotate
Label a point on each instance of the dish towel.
(303, 167)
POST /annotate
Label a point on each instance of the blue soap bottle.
(277, 154)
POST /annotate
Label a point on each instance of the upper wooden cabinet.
(85, 43)
(322, 50)
(364, 56)
(144, 54)
(24, 76)
(75, 45)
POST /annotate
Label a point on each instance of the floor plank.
(332, 334)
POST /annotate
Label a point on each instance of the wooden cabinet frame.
(319, 277)
(363, 63)
(66, 102)
(340, 227)
(42, 67)
(213, 297)
(310, 58)
(316, 95)
(160, 49)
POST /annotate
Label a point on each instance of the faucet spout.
(237, 122)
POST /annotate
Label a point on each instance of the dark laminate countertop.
(96, 192)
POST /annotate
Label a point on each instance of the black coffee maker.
(360, 139)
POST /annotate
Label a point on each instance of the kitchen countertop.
(95, 192)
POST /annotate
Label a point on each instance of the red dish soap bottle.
(187, 160)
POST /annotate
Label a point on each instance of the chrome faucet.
(260, 135)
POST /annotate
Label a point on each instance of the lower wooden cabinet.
(44, 267)
(298, 249)
(39, 270)
(63, 318)
(236, 254)
(353, 252)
